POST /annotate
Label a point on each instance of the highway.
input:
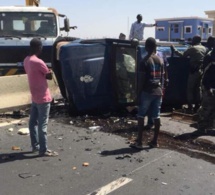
(113, 167)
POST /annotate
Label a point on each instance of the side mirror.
(66, 25)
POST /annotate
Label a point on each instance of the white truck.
(18, 25)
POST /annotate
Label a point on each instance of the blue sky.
(107, 18)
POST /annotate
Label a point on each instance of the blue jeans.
(150, 120)
(38, 122)
(149, 104)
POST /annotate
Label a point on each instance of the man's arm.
(45, 70)
(179, 53)
(49, 76)
(131, 35)
(150, 25)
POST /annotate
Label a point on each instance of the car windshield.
(22, 23)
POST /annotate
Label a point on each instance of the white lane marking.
(111, 186)
(150, 162)
(9, 123)
(123, 180)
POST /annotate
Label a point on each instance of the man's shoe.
(136, 146)
(35, 150)
(153, 144)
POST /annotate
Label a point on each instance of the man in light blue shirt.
(137, 28)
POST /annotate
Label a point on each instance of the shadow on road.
(122, 151)
(195, 134)
(8, 157)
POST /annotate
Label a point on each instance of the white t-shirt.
(137, 30)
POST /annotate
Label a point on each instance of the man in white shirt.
(137, 28)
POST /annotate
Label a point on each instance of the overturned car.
(102, 75)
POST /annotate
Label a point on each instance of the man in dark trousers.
(150, 96)
(38, 73)
(206, 112)
(196, 53)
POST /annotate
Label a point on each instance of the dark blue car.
(102, 74)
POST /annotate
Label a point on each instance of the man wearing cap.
(38, 73)
(137, 28)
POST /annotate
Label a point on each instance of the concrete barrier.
(14, 91)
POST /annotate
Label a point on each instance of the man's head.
(36, 46)
(139, 18)
(196, 40)
(211, 42)
(150, 45)
(122, 36)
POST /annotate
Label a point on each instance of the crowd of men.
(200, 86)
(201, 80)
(200, 90)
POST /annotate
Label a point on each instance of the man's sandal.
(49, 153)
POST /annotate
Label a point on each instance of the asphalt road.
(113, 168)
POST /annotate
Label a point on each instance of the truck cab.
(18, 25)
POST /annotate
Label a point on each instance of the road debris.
(164, 183)
(27, 175)
(123, 156)
(15, 148)
(94, 128)
(23, 131)
(10, 129)
(85, 164)
(124, 123)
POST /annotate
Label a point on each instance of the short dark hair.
(150, 44)
(121, 34)
(35, 46)
(211, 41)
(196, 39)
(139, 15)
(35, 43)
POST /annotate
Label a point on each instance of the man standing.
(206, 112)
(137, 28)
(150, 88)
(196, 53)
(210, 51)
(38, 73)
